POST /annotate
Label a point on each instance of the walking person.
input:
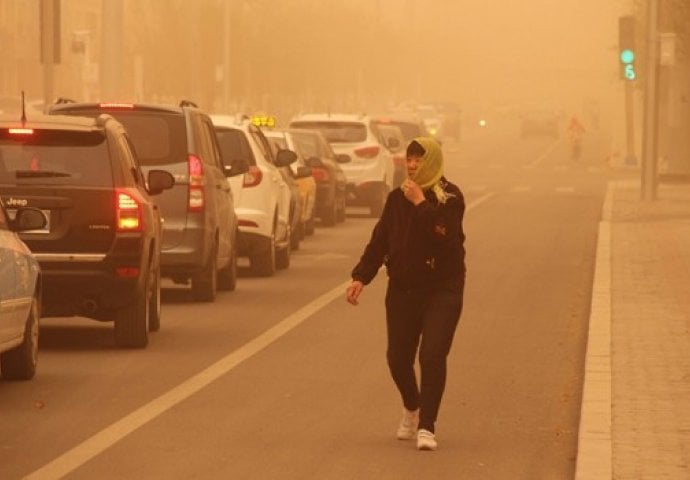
(420, 239)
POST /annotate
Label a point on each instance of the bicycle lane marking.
(101, 441)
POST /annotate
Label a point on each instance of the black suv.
(99, 251)
(200, 225)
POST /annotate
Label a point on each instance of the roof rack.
(188, 103)
(64, 100)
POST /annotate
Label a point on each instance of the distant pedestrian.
(420, 239)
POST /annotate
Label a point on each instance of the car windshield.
(337, 132)
(50, 157)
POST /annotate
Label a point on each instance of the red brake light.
(368, 152)
(116, 105)
(196, 184)
(252, 177)
(320, 174)
(21, 131)
(127, 213)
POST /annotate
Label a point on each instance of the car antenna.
(23, 111)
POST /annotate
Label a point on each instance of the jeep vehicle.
(99, 250)
(200, 225)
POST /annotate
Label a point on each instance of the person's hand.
(353, 292)
(412, 192)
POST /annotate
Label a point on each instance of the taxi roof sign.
(264, 121)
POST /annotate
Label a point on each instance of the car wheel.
(227, 277)
(131, 322)
(309, 227)
(20, 362)
(283, 254)
(155, 301)
(330, 215)
(340, 215)
(297, 236)
(205, 283)
(378, 200)
(263, 263)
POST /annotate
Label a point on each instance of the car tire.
(155, 301)
(227, 277)
(340, 215)
(330, 215)
(205, 283)
(132, 321)
(20, 362)
(296, 236)
(309, 227)
(263, 263)
(283, 254)
(378, 200)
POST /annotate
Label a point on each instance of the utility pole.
(111, 57)
(50, 46)
(651, 108)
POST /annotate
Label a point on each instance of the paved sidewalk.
(636, 400)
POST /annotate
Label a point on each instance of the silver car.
(20, 301)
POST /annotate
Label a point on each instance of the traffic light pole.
(629, 123)
(649, 139)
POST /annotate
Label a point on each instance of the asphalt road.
(282, 379)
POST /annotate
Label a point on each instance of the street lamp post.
(651, 108)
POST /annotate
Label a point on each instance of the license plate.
(12, 213)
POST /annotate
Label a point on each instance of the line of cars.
(100, 201)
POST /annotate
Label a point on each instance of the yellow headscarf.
(430, 169)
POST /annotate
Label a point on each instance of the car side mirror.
(285, 157)
(343, 158)
(28, 218)
(393, 143)
(237, 167)
(314, 162)
(303, 172)
(159, 180)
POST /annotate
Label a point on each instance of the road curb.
(595, 450)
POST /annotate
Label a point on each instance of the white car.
(20, 300)
(261, 196)
(370, 173)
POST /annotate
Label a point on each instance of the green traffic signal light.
(627, 56)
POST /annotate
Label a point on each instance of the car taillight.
(252, 177)
(368, 152)
(196, 184)
(21, 131)
(114, 105)
(127, 213)
(320, 174)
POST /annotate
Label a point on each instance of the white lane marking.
(98, 443)
(544, 155)
(594, 441)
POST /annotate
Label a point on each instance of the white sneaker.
(426, 440)
(408, 425)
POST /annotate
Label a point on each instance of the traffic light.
(626, 47)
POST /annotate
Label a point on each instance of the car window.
(263, 144)
(158, 139)
(204, 144)
(127, 159)
(55, 157)
(234, 145)
(336, 132)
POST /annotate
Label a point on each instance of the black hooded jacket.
(422, 246)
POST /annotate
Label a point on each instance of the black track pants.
(429, 316)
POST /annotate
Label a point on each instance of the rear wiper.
(40, 174)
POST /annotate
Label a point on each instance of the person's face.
(413, 163)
